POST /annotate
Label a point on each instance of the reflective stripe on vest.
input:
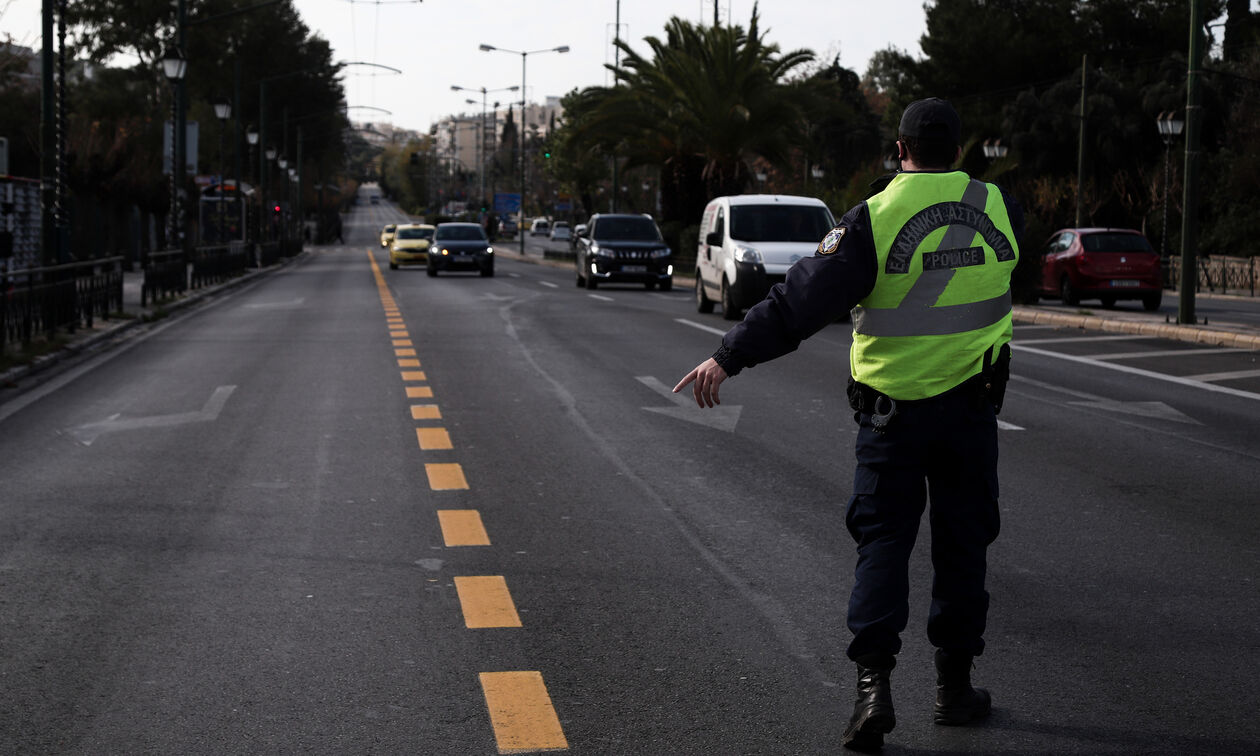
(912, 317)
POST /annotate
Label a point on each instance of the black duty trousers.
(945, 447)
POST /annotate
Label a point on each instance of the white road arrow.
(1157, 410)
(86, 434)
(723, 417)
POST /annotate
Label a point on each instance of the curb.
(1191, 334)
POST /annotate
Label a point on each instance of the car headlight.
(489, 250)
(747, 255)
(663, 252)
(603, 251)
(443, 251)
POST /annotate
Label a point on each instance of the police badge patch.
(831, 242)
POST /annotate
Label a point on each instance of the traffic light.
(276, 209)
(547, 154)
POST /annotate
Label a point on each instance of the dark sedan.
(460, 246)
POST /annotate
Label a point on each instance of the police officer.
(925, 265)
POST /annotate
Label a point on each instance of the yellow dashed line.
(425, 412)
(409, 363)
(404, 351)
(462, 527)
(433, 438)
(446, 476)
(413, 375)
(403, 343)
(419, 392)
(521, 712)
(486, 602)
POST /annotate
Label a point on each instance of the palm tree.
(707, 103)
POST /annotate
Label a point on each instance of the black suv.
(623, 248)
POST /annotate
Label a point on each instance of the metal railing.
(1221, 275)
(41, 301)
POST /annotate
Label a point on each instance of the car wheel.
(1150, 302)
(729, 310)
(591, 283)
(667, 285)
(580, 282)
(431, 271)
(703, 303)
(393, 266)
(1068, 293)
(649, 285)
(1108, 302)
(487, 272)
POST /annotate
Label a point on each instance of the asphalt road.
(244, 532)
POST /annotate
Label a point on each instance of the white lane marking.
(88, 433)
(723, 417)
(1138, 371)
(293, 303)
(601, 298)
(1003, 425)
(1157, 410)
(1081, 339)
(514, 275)
(701, 326)
(1161, 353)
(1230, 376)
(549, 284)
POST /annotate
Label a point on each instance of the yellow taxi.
(387, 234)
(410, 245)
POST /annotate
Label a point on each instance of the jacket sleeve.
(818, 290)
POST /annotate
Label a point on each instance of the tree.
(704, 105)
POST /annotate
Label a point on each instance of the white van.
(748, 242)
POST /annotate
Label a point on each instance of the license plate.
(1124, 282)
(466, 258)
(634, 268)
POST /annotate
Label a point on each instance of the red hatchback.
(1101, 263)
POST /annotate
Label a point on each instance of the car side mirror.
(713, 239)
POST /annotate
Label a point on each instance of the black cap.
(932, 118)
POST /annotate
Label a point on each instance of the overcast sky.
(435, 43)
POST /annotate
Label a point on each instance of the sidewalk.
(105, 333)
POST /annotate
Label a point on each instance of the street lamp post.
(251, 136)
(520, 226)
(174, 66)
(1169, 127)
(270, 154)
(222, 111)
(482, 144)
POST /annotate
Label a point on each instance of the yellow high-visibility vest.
(942, 295)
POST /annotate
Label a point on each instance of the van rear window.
(786, 223)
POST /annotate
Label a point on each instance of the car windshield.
(461, 233)
(627, 229)
(561, 225)
(415, 233)
(781, 223)
(1115, 243)
(389, 229)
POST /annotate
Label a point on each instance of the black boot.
(957, 703)
(873, 713)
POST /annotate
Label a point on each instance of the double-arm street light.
(482, 136)
(520, 226)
